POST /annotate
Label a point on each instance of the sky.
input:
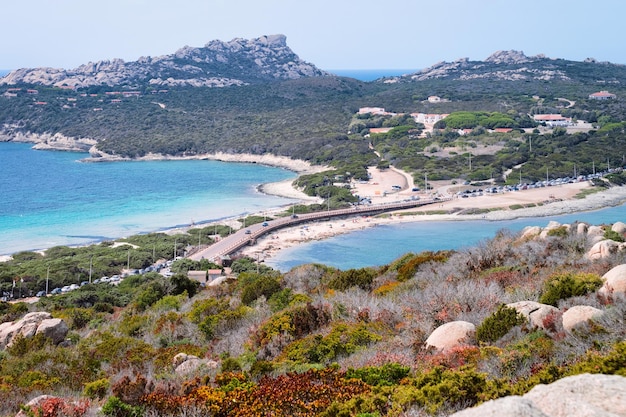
(331, 34)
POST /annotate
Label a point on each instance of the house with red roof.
(602, 95)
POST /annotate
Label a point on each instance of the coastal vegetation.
(316, 340)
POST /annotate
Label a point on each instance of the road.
(248, 235)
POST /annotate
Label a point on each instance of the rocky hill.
(515, 66)
(217, 64)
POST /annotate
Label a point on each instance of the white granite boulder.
(614, 283)
(579, 315)
(451, 335)
(536, 313)
(595, 233)
(582, 228)
(582, 395)
(619, 227)
(185, 364)
(30, 325)
(552, 225)
(603, 249)
(530, 232)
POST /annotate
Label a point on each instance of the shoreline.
(495, 207)
(270, 245)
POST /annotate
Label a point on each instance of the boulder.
(185, 364)
(578, 316)
(54, 329)
(535, 312)
(31, 324)
(582, 228)
(595, 234)
(582, 395)
(451, 335)
(513, 406)
(614, 282)
(603, 249)
(188, 366)
(619, 227)
(530, 232)
(551, 226)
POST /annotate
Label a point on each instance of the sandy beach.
(537, 202)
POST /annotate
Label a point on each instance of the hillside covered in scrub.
(257, 97)
(321, 341)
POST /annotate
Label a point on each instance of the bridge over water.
(248, 235)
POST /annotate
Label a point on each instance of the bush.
(386, 375)
(613, 235)
(97, 389)
(115, 407)
(498, 324)
(361, 278)
(264, 285)
(566, 285)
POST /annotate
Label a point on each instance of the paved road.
(246, 236)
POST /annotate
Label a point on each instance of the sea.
(371, 74)
(382, 244)
(50, 198)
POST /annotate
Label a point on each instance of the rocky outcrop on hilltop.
(501, 65)
(217, 64)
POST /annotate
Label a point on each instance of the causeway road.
(248, 235)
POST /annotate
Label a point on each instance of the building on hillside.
(434, 99)
(602, 95)
(372, 110)
(553, 119)
(205, 277)
(428, 118)
(380, 129)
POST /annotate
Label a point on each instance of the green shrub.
(613, 235)
(560, 231)
(96, 390)
(230, 365)
(344, 280)
(342, 340)
(114, 407)
(385, 375)
(569, 284)
(263, 286)
(498, 324)
(440, 388)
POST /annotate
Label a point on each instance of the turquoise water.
(49, 198)
(382, 244)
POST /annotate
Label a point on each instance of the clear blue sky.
(332, 34)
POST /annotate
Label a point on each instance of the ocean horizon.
(370, 74)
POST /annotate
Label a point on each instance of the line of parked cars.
(112, 280)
